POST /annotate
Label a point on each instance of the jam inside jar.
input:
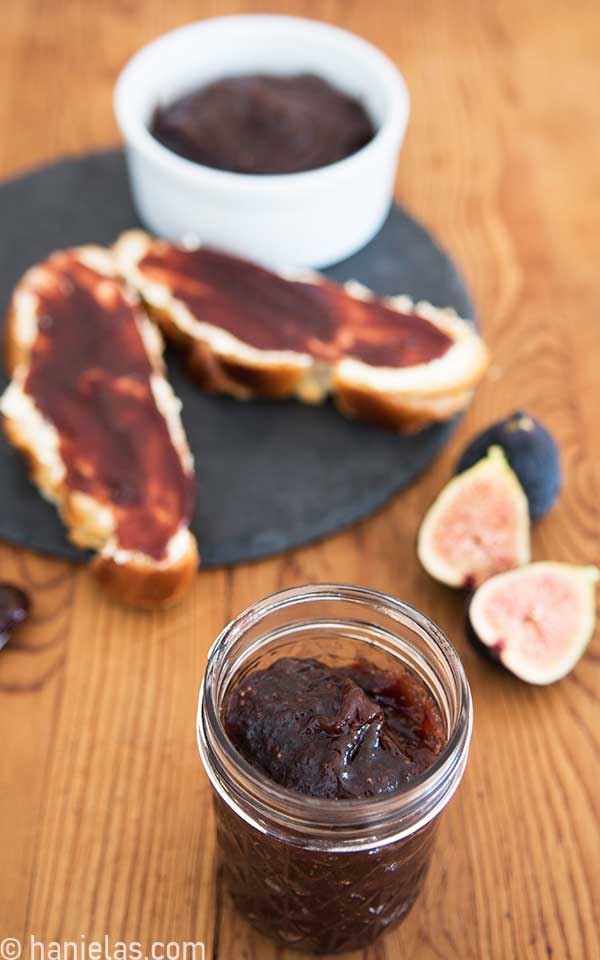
(326, 864)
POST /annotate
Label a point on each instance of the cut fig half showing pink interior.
(537, 620)
(478, 526)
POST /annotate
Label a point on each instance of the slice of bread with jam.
(90, 407)
(250, 332)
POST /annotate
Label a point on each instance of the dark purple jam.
(270, 312)
(91, 377)
(337, 732)
(262, 124)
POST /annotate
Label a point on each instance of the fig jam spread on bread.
(91, 409)
(251, 332)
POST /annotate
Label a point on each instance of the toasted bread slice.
(250, 332)
(89, 406)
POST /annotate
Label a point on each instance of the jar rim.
(324, 822)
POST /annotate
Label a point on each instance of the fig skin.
(531, 451)
(491, 654)
(15, 607)
(532, 672)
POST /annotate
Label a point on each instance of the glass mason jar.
(327, 875)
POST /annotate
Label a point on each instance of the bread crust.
(227, 374)
(400, 399)
(397, 412)
(13, 353)
(132, 578)
(148, 586)
(222, 374)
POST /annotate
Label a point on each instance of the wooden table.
(105, 822)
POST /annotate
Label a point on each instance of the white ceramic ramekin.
(302, 219)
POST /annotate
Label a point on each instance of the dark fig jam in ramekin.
(264, 124)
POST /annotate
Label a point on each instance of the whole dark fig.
(532, 452)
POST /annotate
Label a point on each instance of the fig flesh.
(478, 526)
(535, 621)
(531, 451)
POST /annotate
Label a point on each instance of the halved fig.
(478, 526)
(535, 621)
(532, 452)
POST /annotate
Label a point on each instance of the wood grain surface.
(105, 821)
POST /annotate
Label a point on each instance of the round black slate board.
(270, 475)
